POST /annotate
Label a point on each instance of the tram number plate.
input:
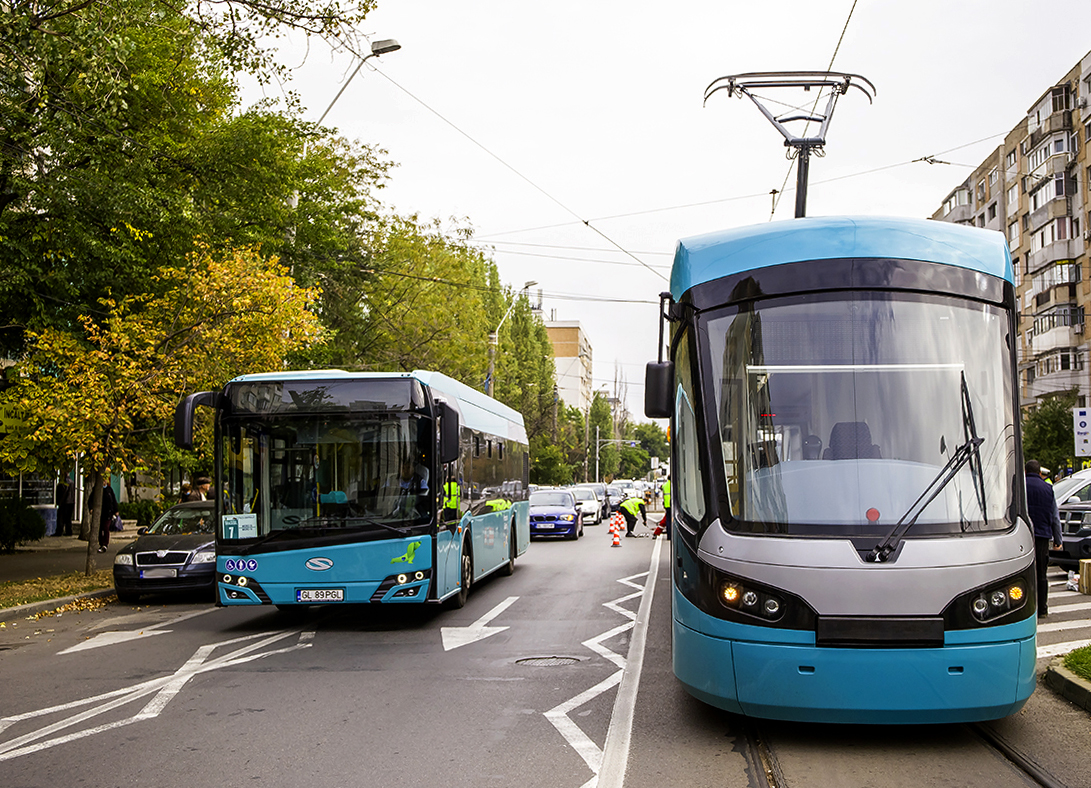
(320, 595)
(160, 572)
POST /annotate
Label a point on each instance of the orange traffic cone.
(617, 539)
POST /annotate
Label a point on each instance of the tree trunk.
(96, 519)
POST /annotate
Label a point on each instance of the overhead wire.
(535, 186)
(836, 49)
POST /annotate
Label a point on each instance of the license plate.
(320, 595)
(543, 526)
(159, 572)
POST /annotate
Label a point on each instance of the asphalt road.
(176, 694)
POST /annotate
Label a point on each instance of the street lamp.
(377, 48)
(494, 339)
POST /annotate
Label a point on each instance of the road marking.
(164, 689)
(1068, 608)
(1057, 626)
(456, 637)
(1057, 649)
(613, 758)
(114, 637)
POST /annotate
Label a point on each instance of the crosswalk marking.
(1061, 602)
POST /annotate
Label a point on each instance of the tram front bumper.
(805, 683)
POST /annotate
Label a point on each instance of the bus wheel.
(467, 577)
(508, 569)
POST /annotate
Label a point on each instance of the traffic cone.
(617, 539)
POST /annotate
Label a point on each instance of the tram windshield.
(836, 414)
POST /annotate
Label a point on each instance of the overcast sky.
(584, 110)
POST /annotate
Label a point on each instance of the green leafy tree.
(94, 391)
(548, 465)
(1047, 431)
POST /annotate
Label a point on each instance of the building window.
(992, 176)
(981, 220)
(1013, 234)
(1010, 162)
(1013, 195)
(992, 211)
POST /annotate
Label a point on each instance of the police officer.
(630, 507)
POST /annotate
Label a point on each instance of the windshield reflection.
(833, 414)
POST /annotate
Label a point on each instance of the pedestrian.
(108, 513)
(629, 508)
(667, 507)
(1042, 508)
(199, 492)
(66, 509)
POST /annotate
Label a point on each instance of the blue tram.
(851, 541)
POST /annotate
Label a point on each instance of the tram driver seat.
(851, 440)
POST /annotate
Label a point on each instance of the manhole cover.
(547, 662)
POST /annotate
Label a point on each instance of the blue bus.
(340, 487)
(850, 538)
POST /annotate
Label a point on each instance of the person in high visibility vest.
(452, 496)
(630, 508)
(667, 507)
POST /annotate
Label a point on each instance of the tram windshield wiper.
(968, 453)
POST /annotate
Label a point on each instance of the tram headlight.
(402, 579)
(998, 601)
(735, 595)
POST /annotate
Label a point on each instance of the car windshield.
(834, 413)
(586, 494)
(183, 520)
(551, 499)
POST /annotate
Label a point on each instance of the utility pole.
(803, 147)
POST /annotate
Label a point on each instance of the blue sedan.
(554, 513)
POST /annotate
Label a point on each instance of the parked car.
(590, 505)
(176, 553)
(1075, 535)
(554, 513)
(614, 496)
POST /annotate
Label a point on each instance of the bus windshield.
(364, 472)
(836, 414)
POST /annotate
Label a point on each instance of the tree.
(1047, 431)
(119, 151)
(97, 392)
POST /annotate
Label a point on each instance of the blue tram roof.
(704, 258)
(478, 411)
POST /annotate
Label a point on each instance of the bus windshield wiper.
(968, 452)
(316, 522)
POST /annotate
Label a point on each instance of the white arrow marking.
(113, 638)
(453, 637)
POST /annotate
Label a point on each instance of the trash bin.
(49, 516)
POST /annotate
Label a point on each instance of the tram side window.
(689, 479)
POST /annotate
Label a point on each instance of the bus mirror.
(183, 416)
(658, 387)
(448, 436)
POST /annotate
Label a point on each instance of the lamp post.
(494, 339)
(377, 48)
(598, 445)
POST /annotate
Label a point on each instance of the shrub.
(19, 523)
(144, 512)
(1079, 662)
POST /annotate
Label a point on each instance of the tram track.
(765, 770)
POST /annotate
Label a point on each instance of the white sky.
(598, 104)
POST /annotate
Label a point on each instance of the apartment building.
(1034, 189)
(572, 359)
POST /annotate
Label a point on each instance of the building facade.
(1034, 189)
(572, 359)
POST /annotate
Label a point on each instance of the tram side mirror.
(448, 436)
(658, 389)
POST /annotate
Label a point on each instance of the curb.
(1067, 684)
(20, 611)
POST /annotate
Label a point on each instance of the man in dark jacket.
(1042, 507)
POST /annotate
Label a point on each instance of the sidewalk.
(58, 555)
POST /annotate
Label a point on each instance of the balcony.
(1058, 121)
(1054, 252)
(1055, 339)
